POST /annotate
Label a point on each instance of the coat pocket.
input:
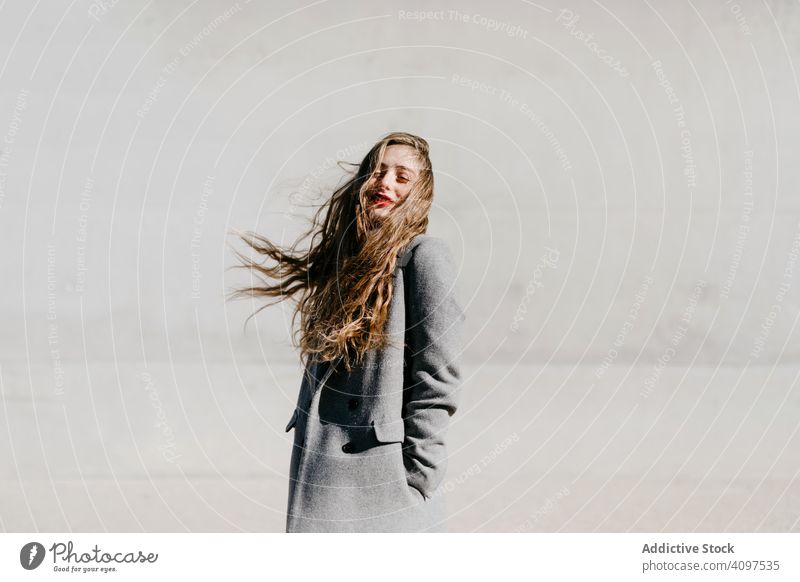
(419, 495)
(389, 432)
(292, 421)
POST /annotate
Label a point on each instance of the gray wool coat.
(369, 451)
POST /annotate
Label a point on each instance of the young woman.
(380, 337)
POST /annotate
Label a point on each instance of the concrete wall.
(132, 123)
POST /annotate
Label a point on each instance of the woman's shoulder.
(431, 274)
(424, 250)
(430, 259)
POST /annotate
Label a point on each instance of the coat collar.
(404, 254)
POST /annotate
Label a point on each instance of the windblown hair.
(342, 281)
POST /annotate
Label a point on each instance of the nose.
(384, 180)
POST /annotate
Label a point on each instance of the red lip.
(380, 199)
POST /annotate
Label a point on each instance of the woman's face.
(398, 171)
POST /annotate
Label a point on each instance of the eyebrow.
(407, 169)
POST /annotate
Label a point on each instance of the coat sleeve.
(434, 323)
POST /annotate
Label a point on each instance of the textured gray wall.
(617, 180)
(130, 131)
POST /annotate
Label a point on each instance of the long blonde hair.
(342, 283)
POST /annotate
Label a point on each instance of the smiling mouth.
(381, 200)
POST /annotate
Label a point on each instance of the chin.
(379, 213)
